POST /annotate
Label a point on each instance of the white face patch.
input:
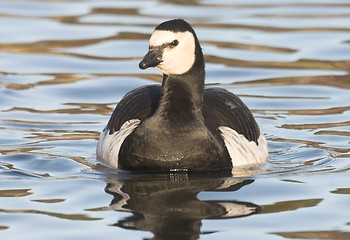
(175, 59)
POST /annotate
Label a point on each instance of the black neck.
(183, 94)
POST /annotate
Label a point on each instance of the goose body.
(180, 125)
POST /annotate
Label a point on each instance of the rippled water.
(65, 64)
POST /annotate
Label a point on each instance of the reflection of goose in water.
(167, 205)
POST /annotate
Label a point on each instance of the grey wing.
(223, 108)
(140, 103)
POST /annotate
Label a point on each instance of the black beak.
(151, 59)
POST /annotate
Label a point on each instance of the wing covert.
(139, 103)
(223, 108)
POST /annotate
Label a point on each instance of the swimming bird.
(181, 124)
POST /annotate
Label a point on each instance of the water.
(65, 64)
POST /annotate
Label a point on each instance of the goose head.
(173, 48)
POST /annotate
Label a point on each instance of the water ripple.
(66, 64)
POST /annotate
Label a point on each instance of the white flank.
(109, 145)
(243, 152)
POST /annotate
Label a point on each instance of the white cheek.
(179, 59)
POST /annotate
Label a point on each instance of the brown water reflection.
(316, 235)
(299, 64)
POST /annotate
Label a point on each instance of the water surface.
(64, 66)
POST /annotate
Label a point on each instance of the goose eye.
(175, 43)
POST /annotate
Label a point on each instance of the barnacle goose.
(180, 125)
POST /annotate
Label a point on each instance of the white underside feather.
(236, 209)
(109, 145)
(242, 151)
